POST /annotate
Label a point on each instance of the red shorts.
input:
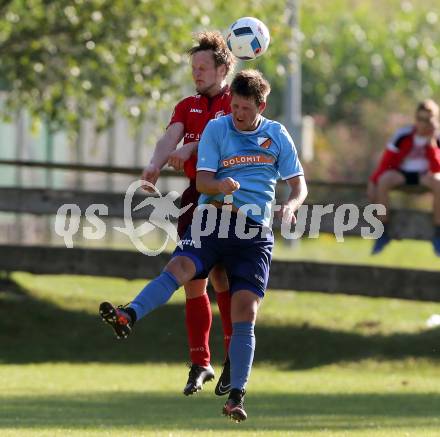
(190, 195)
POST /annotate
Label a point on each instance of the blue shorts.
(246, 260)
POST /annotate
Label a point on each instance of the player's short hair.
(251, 83)
(213, 40)
(430, 106)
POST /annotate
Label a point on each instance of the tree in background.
(365, 65)
(63, 59)
(69, 59)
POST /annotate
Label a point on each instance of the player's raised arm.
(164, 147)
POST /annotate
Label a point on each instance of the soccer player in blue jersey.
(240, 155)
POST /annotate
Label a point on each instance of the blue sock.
(241, 353)
(155, 294)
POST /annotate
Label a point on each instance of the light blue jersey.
(255, 159)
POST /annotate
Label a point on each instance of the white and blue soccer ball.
(248, 38)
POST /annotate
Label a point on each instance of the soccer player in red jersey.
(412, 157)
(211, 62)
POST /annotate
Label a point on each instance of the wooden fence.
(310, 276)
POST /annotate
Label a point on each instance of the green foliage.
(356, 50)
(68, 59)
(405, 254)
(351, 51)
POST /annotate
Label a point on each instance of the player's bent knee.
(436, 181)
(182, 267)
(244, 315)
(390, 179)
(244, 306)
(195, 288)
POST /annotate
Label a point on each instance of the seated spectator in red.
(412, 157)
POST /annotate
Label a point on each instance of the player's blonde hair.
(430, 106)
(251, 83)
(213, 40)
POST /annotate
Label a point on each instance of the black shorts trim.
(411, 177)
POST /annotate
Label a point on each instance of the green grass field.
(410, 254)
(325, 366)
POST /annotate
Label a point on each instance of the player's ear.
(261, 107)
(222, 70)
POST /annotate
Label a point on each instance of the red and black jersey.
(195, 112)
(400, 147)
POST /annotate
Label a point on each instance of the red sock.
(198, 323)
(224, 306)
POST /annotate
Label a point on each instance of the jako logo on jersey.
(251, 159)
(219, 114)
(264, 142)
(199, 111)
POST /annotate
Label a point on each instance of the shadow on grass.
(285, 411)
(33, 330)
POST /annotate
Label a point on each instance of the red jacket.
(397, 150)
(195, 112)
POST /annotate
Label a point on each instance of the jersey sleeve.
(209, 152)
(433, 155)
(179, 113)
(390, 158)
(393, 144)
(289, 165)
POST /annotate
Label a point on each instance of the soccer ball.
(248, 38)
